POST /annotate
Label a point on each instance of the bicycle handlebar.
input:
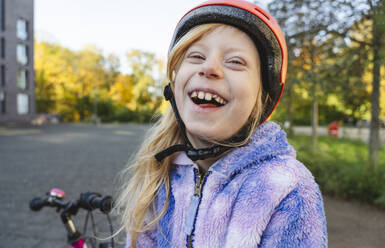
(89, 201)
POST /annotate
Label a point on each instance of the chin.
(212, 134)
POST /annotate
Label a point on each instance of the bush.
(123, 114)
(45, 105)
(107, 110)
(341, 168)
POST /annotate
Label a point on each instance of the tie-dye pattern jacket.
(258, 195)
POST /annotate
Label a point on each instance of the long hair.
(145, 176)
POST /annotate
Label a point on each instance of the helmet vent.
(268, 18)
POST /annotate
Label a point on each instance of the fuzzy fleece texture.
(258, 195)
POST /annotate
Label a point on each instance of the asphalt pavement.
(73, 157)
(85, 157)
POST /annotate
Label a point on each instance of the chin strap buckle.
(193, 154)
(167, 92)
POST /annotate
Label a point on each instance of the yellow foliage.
(76, 116)
(382, 93)
(306, 67)
(304, 93)
(333, 100)
(164, 106)
(65, 77)
(68, 82)
(121, 91)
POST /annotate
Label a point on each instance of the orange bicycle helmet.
(262, 29)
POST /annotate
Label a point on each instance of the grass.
(341, 168)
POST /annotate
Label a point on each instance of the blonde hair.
(144, 178)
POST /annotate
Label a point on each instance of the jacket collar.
(267, 141)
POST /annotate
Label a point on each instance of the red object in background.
(333, 129)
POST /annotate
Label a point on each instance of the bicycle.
(88, 201)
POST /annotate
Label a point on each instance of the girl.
(213, 172)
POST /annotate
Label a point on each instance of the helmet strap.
(191, 152)
(169, 96)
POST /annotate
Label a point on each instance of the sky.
(115, 26)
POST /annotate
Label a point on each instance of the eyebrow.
(196, 44)
(227, 49)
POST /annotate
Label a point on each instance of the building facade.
(17, 77)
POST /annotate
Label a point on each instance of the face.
(216, 85)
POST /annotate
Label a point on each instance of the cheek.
(180, 80)
(178, 90)
(247, 95)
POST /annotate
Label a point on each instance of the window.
(22, 104)
(2, 102)
(2, 15)
(22, 79)
(22, 54)
(22, 29)
(2, 75)
(2, 48)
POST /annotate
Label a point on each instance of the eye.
(195, 57)
(236, 62)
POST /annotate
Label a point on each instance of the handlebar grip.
(104, 204)
(91, 201)
(37, 203)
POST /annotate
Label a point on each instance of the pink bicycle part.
(57, 193)
(79, 244)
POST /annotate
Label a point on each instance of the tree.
(370, 13)
(305, 24)
(54, 70)
(377, 13)
(121, 91)
(313, 24)
(66, 81)
(78, 84)
(144, 66)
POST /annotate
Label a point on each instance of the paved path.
(79, 157)
(75, 158)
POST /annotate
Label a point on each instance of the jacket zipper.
(198, 192)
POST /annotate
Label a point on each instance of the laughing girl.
(213, 172)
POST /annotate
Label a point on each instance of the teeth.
(219, 99)
(207, 96)
(201, 95)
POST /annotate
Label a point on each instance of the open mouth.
(200, 97)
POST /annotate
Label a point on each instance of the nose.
(211, 69)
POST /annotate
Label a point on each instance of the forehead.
(228, 36)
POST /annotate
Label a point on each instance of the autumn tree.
(79, 84)
(54, 70)
(363, 26)
(121, 91)
(305, 23)
(331, 21)
(144, 66)
(376, 14)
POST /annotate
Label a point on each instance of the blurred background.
(74, 74)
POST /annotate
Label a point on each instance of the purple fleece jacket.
(258, 195)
